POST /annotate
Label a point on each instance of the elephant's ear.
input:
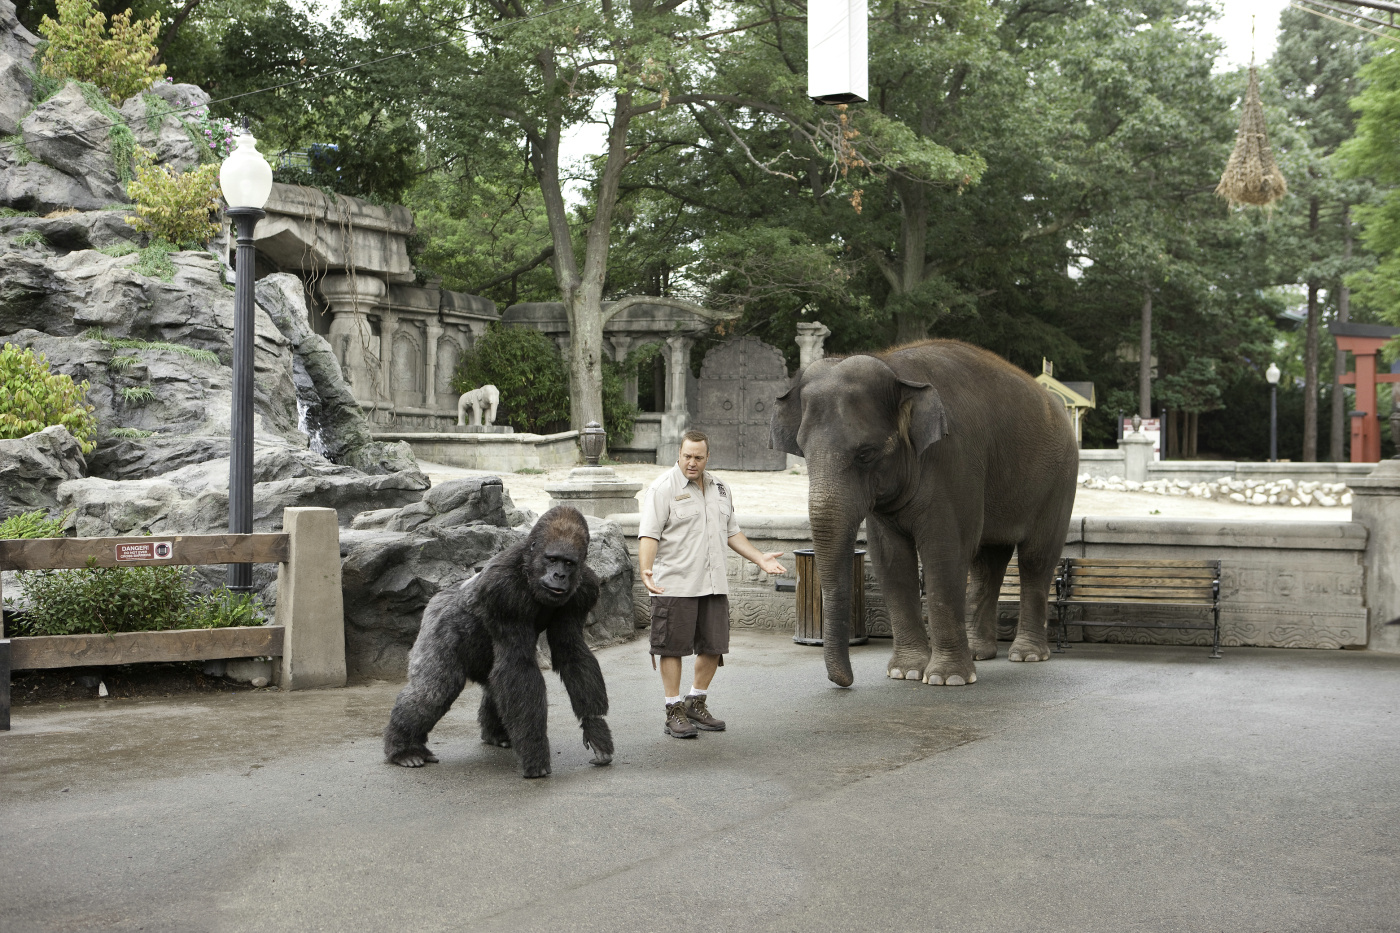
(921, 417)
(787, 418)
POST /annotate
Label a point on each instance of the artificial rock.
(32, 468)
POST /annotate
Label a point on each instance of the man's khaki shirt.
(692, 527)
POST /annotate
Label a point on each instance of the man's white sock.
(671, 700)
(696, 692)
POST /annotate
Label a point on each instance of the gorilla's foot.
(597, 737)
(1029, 649)
(536, 771)
(950, 673)
(413, 757)
(496, 737)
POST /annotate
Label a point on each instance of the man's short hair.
(699, 437)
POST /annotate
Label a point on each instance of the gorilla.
(486, 629)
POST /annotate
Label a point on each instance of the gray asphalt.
(1115, 788)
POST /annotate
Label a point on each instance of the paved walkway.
(1114, 788)
(785, 493)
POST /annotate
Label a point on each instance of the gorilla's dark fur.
(485, 630)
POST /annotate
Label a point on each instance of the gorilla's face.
(555, 572)
(558, 548)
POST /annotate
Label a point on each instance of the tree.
(1315, 72)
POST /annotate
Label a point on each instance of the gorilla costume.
(485, 630)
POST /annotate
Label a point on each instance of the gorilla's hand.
(598, 738)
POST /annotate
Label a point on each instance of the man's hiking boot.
(677, 723)
(696, 712)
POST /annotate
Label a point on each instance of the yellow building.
(1077, 397)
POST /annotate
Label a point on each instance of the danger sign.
(145, 550)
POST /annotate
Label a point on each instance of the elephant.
(953, 457)
(482, 403)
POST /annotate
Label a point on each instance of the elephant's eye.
(867, 454)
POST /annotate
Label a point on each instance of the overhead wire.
(305, 80)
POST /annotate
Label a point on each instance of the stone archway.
(739, 381)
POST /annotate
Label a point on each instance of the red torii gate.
(1364, 341)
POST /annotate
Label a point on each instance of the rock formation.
(155, 346)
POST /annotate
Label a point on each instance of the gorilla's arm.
(515, 682)
(578, 668)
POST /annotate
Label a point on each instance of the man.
(687, 518)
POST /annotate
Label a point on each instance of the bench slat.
(73, 553)
(1077, 591)
(1141, 562)
(1141, 582)
(1127, 575)
(1134, 601)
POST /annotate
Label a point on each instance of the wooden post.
(4, 685)
(309, 602)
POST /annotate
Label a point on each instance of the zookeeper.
(687, 518)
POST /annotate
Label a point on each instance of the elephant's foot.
(1025, 648)
(906, 665)
(983, 649)
(950, 672)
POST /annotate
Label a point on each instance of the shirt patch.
(722, 490)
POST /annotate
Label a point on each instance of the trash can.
(809, 599)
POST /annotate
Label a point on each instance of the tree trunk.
(1192, 431)
(1310, 368)
(1145, 357)
(910, 326)
(1310, 393)
(1337, 436)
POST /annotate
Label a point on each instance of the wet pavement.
(1114, 788)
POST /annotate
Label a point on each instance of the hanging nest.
(1251, 176)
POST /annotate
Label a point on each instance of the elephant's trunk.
(834, 526)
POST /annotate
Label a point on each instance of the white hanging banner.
(838, 58)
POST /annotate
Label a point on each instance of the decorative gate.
(739, 381)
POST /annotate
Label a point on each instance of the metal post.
(240, 464)
(1273, 424)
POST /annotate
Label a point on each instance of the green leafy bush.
(99, 600)
(174, 206)
(36, 524)
(84, 46)
(32, 398)
(526, 367)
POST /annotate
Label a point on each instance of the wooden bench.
(1139, 584)
(308, 638)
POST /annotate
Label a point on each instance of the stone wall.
(1111, 462)
(1283, 584)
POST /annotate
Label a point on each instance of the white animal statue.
(482, 401)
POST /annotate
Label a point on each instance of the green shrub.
(35, 524)
(114, 57)
(526, 367)
(32, 398)
(106, 600)
(154, 261)
(30, 238)
(122, 362)
(137, 395)
(174, 206)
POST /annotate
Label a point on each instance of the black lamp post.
(246, 179)
(1272, 374)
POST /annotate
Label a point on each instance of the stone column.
(430, 362)
(622, 345)
(388, 323)
(351, 300)
(676, 418)
(565, 341)
(1376, 504)
(1137, 454)
(810, 340)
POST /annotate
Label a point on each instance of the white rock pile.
(1247, 491)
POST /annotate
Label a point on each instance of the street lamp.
(246, 180)
(1272, 374)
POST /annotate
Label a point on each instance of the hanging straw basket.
(1251, 176)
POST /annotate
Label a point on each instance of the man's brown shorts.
(682, 625)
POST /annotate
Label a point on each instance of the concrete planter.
(504, 453)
